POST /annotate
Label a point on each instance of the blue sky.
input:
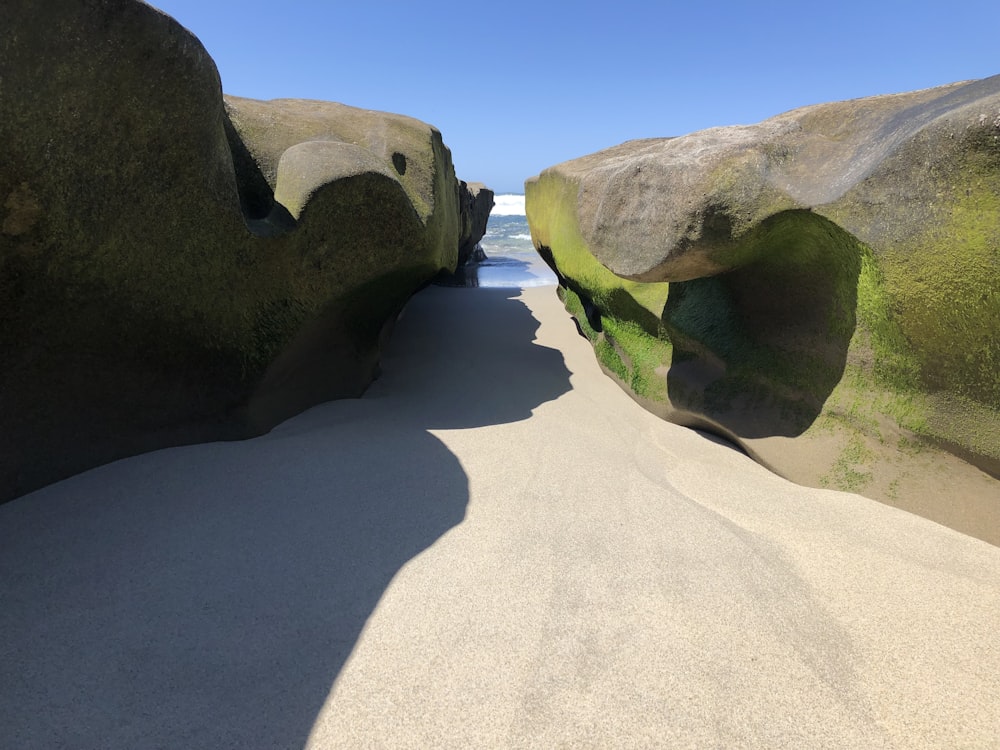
(518, 86)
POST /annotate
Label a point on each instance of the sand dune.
(495, 547)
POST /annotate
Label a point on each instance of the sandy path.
(430, 567)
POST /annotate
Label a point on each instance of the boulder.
(476, 203)
(179, 267)
(822, 288)
(407, 150)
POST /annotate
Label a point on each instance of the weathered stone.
(476, 203)
(822, 288)
(408, 150)
(171, 273)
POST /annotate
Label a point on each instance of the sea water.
(511, 260)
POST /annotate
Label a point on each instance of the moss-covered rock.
(410, 151)
(822, 288)
(176, 267)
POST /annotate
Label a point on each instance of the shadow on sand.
(208, 596)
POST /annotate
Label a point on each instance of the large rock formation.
(175, 267)
(823, 288)
(476, 201)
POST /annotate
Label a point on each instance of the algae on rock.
(820, 288)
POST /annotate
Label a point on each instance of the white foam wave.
(520, 236)
(508, 205)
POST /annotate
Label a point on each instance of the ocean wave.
(520, 236)
(508, 205)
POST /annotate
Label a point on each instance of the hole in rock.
(760, 348)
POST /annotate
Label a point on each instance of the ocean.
(511, 258)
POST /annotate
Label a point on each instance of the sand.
(495, 547)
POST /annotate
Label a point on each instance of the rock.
(821, 288)
(176, 267)
(476, 202)
(406, 150)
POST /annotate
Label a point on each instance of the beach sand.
(495, 547)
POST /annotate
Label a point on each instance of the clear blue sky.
(518, 86)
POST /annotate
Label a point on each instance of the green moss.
(756, 328)
(812, 332)
(853, 469)
(910, 446)
(631, 341)
(551, 209)
(644, 356)
(945, 285)
(930, 306)
(892, 491)
(574, 306)
(892, 362)
(608, 356)
(881, 380)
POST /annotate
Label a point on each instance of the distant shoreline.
(508, 204)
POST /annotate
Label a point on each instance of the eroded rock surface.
(476, 202)
(822, 287)
(176, 266)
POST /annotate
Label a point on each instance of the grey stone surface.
(667, 209)
(476, 202)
